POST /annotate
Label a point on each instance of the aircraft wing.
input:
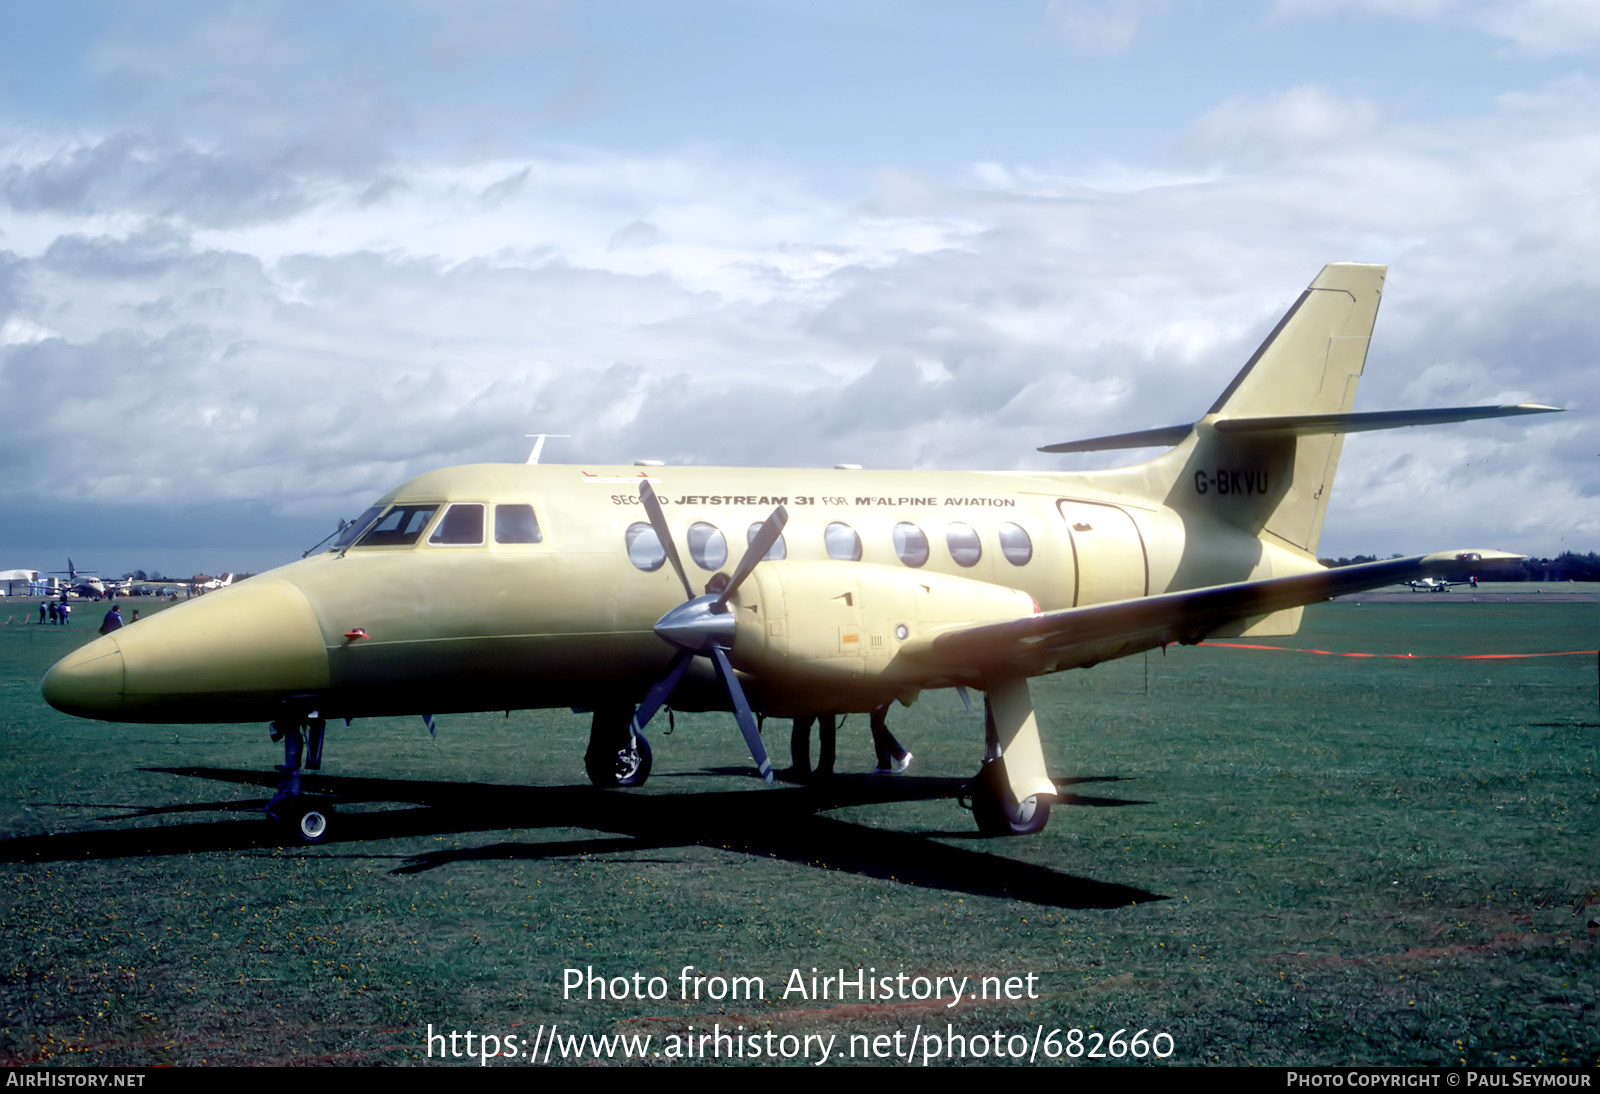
(1076, 637)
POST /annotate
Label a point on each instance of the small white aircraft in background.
(1437, 584)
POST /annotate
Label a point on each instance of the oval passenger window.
(707, 545)
(842, 542)
(964, 545)
(910, 544)
(644, 549)
(1015, 544)
(778, 549)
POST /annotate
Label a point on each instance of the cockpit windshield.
(398, 527)
(355, 528)
(463, 524)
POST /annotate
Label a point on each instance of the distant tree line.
(1567, 566)
(1354, 560)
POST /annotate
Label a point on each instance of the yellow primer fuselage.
(887, 582)
(435, 628)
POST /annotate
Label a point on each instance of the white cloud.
(1102, 26)
(1544, 26)
(1538, 26)
(308, 343)
(1300, 121)
(24, 332)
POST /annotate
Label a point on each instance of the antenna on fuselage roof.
(538, 443)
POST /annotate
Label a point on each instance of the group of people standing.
(893, 758)
(59, 613)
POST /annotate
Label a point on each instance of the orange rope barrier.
(1406, 656)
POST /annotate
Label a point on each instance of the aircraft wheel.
(628, 766)
(311, 824)
(997, 814)
(1001, 818)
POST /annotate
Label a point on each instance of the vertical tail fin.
(1263, 457)
(1243, 492)
(1309, 364)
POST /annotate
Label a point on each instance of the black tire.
(312, 823)
(628, 766)
(996, 813)
(1001, 818)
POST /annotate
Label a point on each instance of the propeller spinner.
(702, 625)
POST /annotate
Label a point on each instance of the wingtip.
(1473, 554)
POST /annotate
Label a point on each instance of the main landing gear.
(1011, 793)
(309, 818)
(618, 754)
(996, 811)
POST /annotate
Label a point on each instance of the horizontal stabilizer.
(1304, 425)
(1144, 438)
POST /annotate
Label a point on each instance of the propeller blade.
(661, 690)
(741, 708)
(770, 531)
(658, 521)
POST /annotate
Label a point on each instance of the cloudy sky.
(261, 262)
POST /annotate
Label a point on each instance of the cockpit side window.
(461, 525)
(516, 524)
(355, 528)
(399, 526)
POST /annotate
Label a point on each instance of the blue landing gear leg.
(309, 817)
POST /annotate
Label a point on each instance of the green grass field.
(1274, 858)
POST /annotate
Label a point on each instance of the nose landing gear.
(309, 818)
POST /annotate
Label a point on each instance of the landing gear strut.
(618, 755)
(309, 817)
(1011, 793)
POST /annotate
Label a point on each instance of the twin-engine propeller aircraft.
(1435, 584)
(503, 586)
(79, 583)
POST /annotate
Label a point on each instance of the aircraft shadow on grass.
(784, 823)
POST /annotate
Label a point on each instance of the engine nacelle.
(854, 626)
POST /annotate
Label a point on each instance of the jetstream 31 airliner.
(506, 586)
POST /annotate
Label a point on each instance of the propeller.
(702, 625)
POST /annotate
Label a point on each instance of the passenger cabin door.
(1107, 550)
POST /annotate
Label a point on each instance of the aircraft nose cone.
(235, 655)
(87, 682)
